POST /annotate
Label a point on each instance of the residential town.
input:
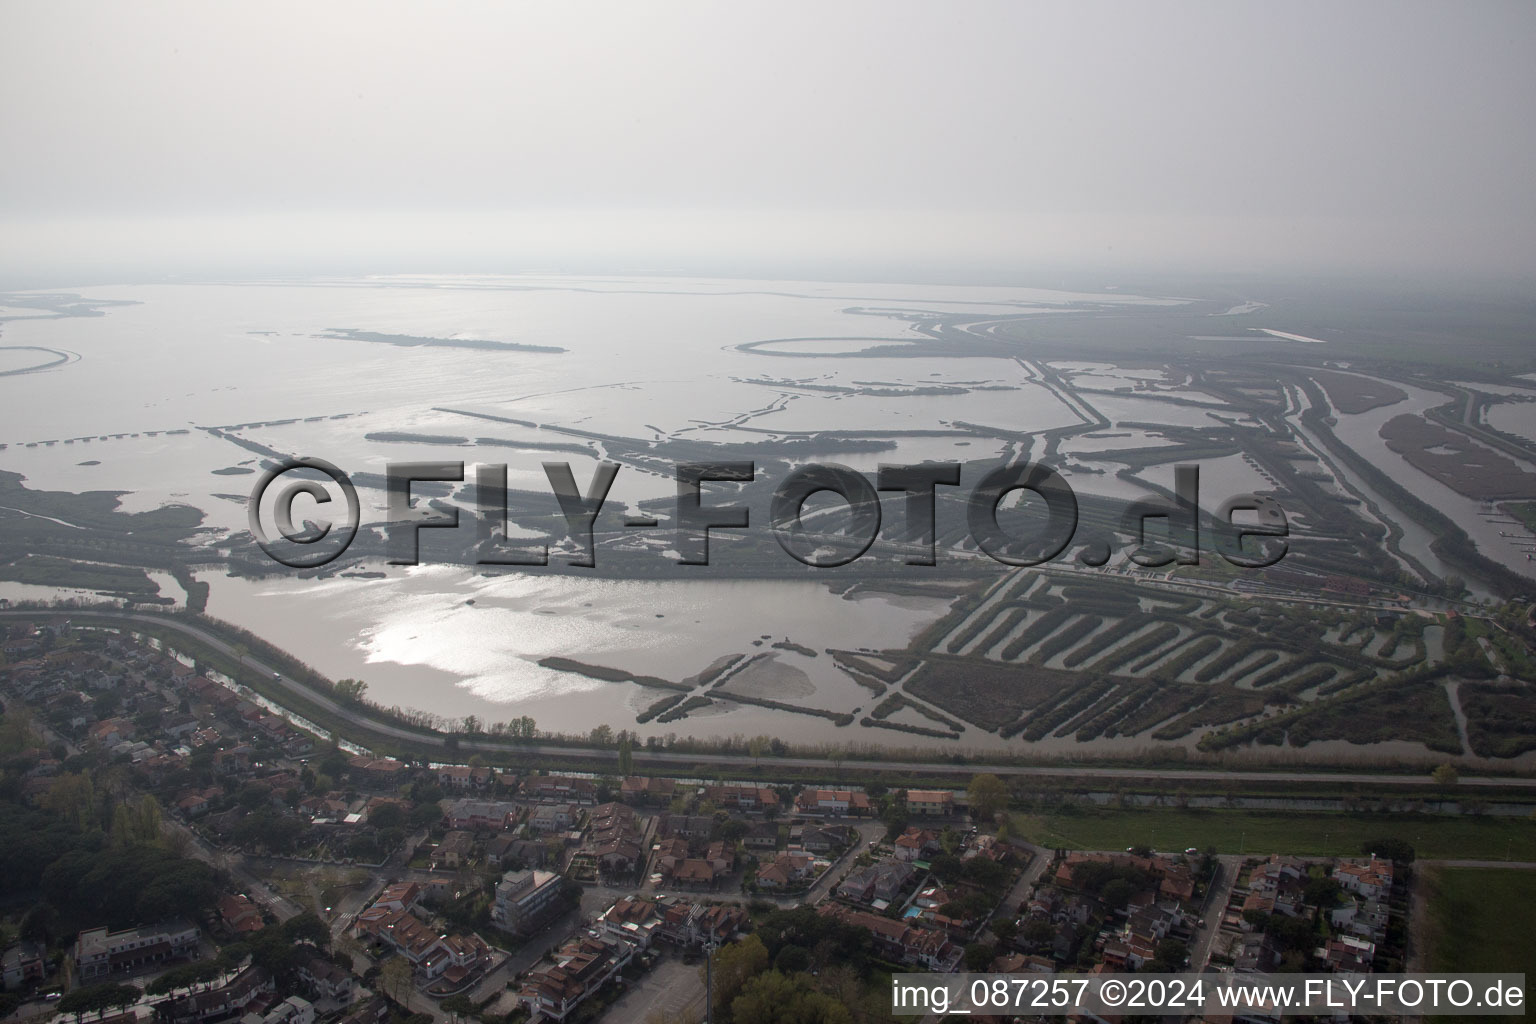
(179, 849)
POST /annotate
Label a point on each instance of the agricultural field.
(1313, 834)
(1478, 919)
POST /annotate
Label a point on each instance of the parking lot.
(671, 988)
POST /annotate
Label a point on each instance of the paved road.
(367, 723)
(1518, 865)
(1216, 905)
(1039, 860)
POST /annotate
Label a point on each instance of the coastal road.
(366, 723)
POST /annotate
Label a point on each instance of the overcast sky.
(148, 138)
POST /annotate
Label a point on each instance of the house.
(790, 868)
(1372, 880)
(637, 789)
(617, 853)
(500, 849)
(378, 771)
(455, 957)
(613, 839)
(220, 1003)
(669, 854)
(99, 952)
(610, 816)
(327, 981)
(634, 920)
(553, 817)
(826, 838)
(293, 1010)
(399, 896)
(688, 826)
(882, 881)
(374, 1010)
(743, 798)
(1348, 954)
(834, 802)
(432, 954)
(194, 803)
(465, 777)
(694, 873)
(480, 815)
(111, 731)
(692, 924)
(22, 965)
(932, 803)
(178, 726)
(581, 968)
(455, 851)
(762, 835)
(721, 856)
(328, 807)
(507, 849)
(917, 844)
(239, 914)
(565, 788)
(524, 897)
(923, 948)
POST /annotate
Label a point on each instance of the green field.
(1478, 919)
(1434, 837)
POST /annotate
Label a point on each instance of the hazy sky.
(207, 138)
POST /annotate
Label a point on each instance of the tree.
(1322, 892)
(459, 1005)
(735, 965)
(978, 957)
(254, 795)
(387, 816)
(777, 998)
(185, 976)
(306, 927)
(1445, 775)
(1169, 956)
(626, 757)
(1398, 851)
(792, 959)
(72, 798)
(946, 867)
(988, 796)
(1117, 892)
(1037, 932)
(395, 978)
(98, 998)
(351, 690)
(1291, 933)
